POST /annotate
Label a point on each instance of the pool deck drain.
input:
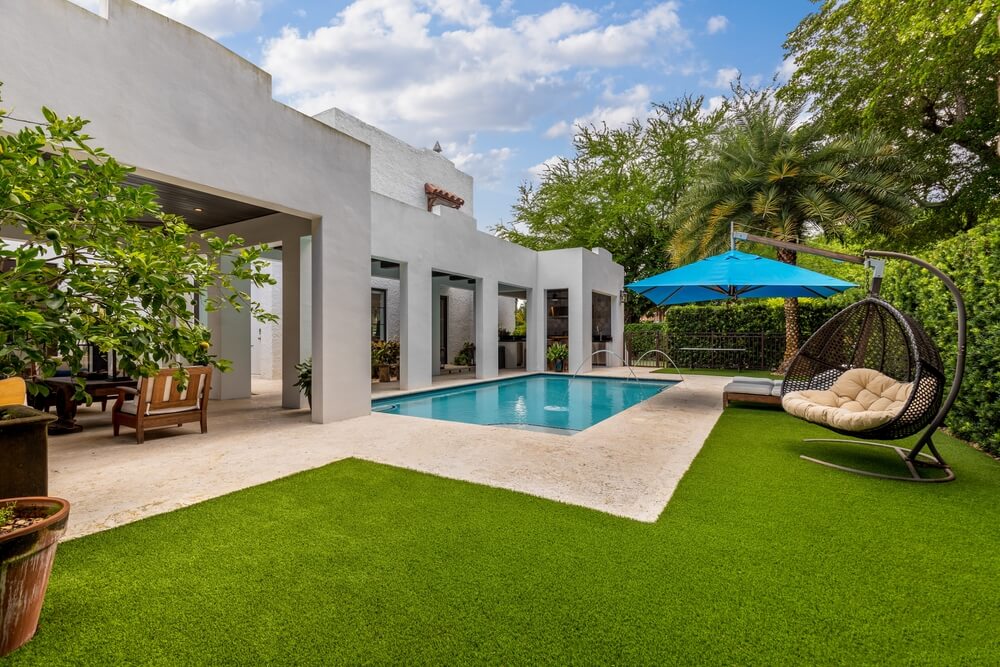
(628, 465)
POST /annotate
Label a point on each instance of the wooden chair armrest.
(124, 394)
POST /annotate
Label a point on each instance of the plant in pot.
(304, 372)
(557, 354)
(380, 361)
(30, 529)
(84, 271)
(390, 358)
(467, 355)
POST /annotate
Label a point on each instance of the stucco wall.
(186, 110)
(399, 170)
(461, 320)
(265, 337)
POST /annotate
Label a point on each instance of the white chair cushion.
(861, 399)
(129, 409)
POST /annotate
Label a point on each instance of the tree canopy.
(82, 270)
(618, 188)
(924, 74)
(776, 175)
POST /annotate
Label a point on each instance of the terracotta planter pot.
(24, 452)
(26, 557)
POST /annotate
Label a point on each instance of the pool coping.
(428, 391)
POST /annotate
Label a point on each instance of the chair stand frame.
(909, 457)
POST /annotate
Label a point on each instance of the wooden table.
(63, 391)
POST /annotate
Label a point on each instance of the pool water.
(551, 403)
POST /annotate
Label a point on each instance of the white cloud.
(715, 103)
(558, 129)
(488, 168)
(215, 18)
(616, 111)
(380, 60)
(301, 13)
(461, 12)
(725, 76)
(716, 24)
(536, 172)
(785, 70)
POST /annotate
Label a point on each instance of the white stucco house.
(371, 237)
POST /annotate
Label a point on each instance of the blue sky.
(500, 84)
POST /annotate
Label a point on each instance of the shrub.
(758, 316)
(972, 259)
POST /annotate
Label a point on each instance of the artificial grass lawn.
(727, 372)
(759, 558)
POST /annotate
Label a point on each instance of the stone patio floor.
(628, 465)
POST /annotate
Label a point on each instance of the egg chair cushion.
(861, 399)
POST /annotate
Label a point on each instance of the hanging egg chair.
(869, 372)
(872, 372)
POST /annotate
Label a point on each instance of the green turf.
(760, 558)
(727, 372)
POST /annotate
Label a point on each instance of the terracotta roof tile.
(436, 195)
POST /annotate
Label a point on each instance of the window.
(378, 314)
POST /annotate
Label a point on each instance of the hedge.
(763, 316)
(972, 259)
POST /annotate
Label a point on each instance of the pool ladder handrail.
(676, 368)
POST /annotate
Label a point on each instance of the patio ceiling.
(453, 280)
(201, 210)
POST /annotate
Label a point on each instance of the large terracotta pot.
(26, 557)
(24, 451)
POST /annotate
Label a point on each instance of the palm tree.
(775, 174)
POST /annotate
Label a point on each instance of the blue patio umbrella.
(735, 275)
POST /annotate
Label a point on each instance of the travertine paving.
(628, 465)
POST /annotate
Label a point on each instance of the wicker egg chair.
(871, 371)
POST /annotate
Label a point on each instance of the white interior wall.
(265, 337)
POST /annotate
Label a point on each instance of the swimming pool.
(551, 403)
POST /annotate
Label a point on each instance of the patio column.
(487, 338)
(231, 334)
(415, 328)
(617, 330)
(580, 336)
(290, 321)
(534, 311)
(341, 328)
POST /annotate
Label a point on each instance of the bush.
(760, 316)
(972, 259)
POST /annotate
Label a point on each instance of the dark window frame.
(379, 328)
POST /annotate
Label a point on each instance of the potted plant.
(557, 354)
(24, 467)
(467, 355)
(304, 371)
(381, 360)
(30, 529)
(390, 358)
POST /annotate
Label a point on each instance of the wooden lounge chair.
(752, 390)
(159, 403)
